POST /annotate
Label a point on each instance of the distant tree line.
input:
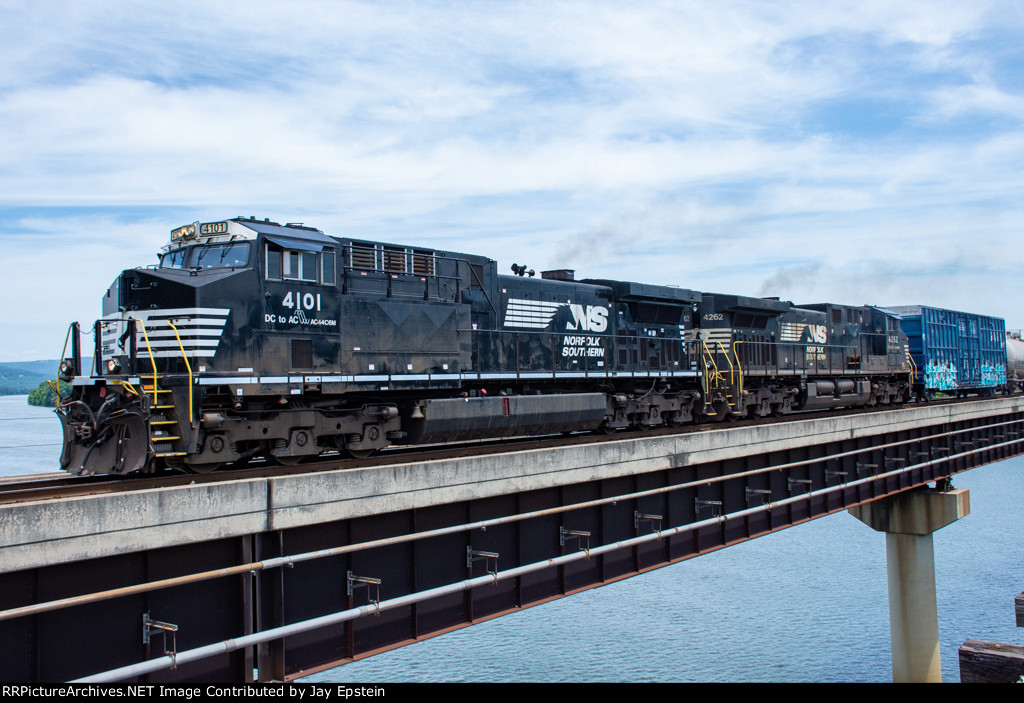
(43, 395)
(11, 390)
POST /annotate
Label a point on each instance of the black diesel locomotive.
(252, 338)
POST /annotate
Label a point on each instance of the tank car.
(1014, 361)
(251, 338)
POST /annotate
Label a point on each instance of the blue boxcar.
(955, 352)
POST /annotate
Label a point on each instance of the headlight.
(114, 366)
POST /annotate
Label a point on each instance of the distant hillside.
(46, 367)
(22, 377)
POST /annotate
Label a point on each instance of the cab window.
(327, 264)
(221, 256)
(296, 265)
(299, 265)
(174, 259)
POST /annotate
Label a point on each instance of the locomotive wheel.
(361, 453)
(270, 453)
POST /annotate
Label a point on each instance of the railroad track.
(16, 489)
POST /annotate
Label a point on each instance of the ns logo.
(817, 333)
(592, 318)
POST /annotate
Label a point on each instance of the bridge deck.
(767, 476)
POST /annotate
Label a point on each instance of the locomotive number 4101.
(303, 301)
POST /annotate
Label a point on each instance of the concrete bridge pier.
(908, 521)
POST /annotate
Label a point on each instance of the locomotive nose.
(147, 290)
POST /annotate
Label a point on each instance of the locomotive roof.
(625, 290)
(289, 231)
(728, 301)
(921, 310)
(294, 234)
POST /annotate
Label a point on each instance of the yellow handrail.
(711, 357)
(913, 369)
(187, 366)
(152, 360)
(718, 379)
(725, 353)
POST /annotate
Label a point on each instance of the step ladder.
(164, 424)
(715, 375)
(164, 435)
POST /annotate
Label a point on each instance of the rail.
(524, 354)
(832, 359)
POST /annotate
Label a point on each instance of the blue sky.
(861, 152)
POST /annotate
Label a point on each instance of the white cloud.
(724, 143)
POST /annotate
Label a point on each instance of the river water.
(30, 437)
(808, 604)
(805, 604)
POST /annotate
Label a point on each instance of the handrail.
(55, 384)
(188, 366)
(434, 258)
(739, 367)
(705, 380)
(480, 283)
(725, 353)
(172, 659)
(718, 374)
(708, 379)
(152, 360)
(275, 562)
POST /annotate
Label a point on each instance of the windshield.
(220, 256)
(173, 259)
(210, 256)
